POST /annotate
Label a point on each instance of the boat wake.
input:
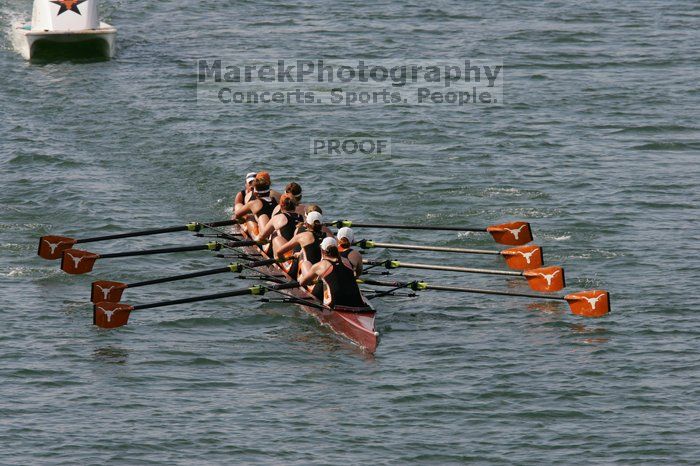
(11, 17)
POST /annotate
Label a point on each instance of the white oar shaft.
(448, 268)
(417, 247)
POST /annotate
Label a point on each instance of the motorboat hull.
(29, 42)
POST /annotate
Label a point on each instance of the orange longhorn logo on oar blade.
(523, 257)
(51, 247)
(592, 303)
(110, 315)
(545, 278)
(76, 262)
(513, 233)
(108, 291)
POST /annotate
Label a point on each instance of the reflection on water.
(111, 354)
(548, 307)
(592, 335)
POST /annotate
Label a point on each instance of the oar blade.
(512, 233)
(590, 303)
(545, 278)
(51, 247)
(110, 315)
(107, 291)
(523, 257)
(77, 262)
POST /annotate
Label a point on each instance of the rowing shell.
(358, 327)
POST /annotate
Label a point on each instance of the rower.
(338, 288)
(282, 228)
(241, 195)
(295, 190)
(314, 208)
(266, 177)
(260, 205)
(346, 237)
(307, 240)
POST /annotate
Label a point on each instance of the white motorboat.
(68, 24)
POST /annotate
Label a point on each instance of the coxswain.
(261, 205)
(241, 195)
(339, 287)
(307, 240)
(346, 237)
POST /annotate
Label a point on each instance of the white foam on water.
(13, 17)
(560, 238)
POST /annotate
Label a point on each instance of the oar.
(589, 303)
(518, 257)
(111, 291)
(112, 315)
(51, 246)
(511, 233)
(76, 261)
(540, 279)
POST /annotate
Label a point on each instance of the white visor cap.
(313, 217)
(328, 242)
(346, 232)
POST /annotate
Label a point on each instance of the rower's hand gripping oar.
(517, 258)
(51, 246)
(539, 279)
(111, 291)
(589, 303)
(112, 315)
(511, 233)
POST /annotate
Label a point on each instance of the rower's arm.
(239, 199)
(288, 246)
(309, 276)
(357, 260)
(267, 231)
(242, 210)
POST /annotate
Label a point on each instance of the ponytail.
(332, 251)
(288, 203)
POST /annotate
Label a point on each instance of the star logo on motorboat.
(66, 5)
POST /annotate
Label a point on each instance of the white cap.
(250, 177)
(313, 217)
(346, 232)
(328, 242)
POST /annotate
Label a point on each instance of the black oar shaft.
(194, 299)
(417, 247)
(156, 231)
(185, 276)
(203, 273)
(148, 252)
(258, 290)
